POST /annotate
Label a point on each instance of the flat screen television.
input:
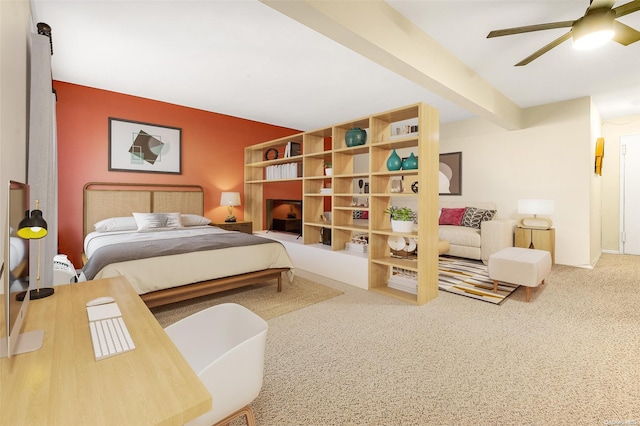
(16, 276)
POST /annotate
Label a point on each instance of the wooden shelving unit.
(329, 144)
(256, 160)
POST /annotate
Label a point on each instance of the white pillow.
(194, 220)
(152, 221)
(113, 224)
(173, 220)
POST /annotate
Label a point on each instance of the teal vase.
(355, 136)
(394, 162)
(410, 163)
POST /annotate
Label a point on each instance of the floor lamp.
(34, 227)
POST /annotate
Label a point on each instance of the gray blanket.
(145, 249)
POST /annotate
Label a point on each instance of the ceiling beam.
(379, 32)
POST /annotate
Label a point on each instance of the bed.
(188, 258)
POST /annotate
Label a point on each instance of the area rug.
(263, 299)
(471, 279)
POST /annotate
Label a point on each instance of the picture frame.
(136, 146)
(450, 173)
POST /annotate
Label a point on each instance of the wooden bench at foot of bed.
(204, 288)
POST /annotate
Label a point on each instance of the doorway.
(630, 194)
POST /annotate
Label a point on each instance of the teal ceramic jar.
(410, 163)
(394, 162)
(355, 136)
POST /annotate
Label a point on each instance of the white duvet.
(147, 275)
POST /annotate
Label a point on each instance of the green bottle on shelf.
(394, 162)
(355, 136)
(410, 163)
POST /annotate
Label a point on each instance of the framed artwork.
(451, 173)
(144, 147)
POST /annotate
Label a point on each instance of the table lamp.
(230, 199)
(34, 227)
(535, 207)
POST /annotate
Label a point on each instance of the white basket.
(360, 248)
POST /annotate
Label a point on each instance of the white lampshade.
(535, 207)
(230, 199)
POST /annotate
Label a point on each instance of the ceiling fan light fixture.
(593, 30)
(592, 40)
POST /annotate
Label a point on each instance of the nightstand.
(246, 227)
(543, 239)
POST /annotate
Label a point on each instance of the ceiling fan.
(598, 24)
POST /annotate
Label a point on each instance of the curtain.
(42, 166)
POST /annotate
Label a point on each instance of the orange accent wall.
(212, 152)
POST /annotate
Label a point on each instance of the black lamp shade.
(34, 227)
(24, 224)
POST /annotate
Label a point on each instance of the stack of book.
(292, 149)
(281, 171)
(403, 280)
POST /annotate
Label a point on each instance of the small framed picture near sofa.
(144, 147)
(451, 173)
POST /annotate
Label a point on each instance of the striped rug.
(470, 278)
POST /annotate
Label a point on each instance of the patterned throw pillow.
(489, 215)
(451, 216)
(360, 214)
(474, 216)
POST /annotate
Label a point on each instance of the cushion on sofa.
(474, 216)
(460, 235)
(451, 216)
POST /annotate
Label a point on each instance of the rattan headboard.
(103, 200)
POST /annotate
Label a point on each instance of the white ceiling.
(243, 58)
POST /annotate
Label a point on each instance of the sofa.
(473, 229)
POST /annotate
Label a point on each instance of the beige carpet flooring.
(569, 357)
(263, 299)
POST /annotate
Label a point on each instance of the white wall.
(15, 24)
(552, 157)
(595, 205)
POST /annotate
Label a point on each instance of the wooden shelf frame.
(328, 144)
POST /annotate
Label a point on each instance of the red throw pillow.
(451, 216)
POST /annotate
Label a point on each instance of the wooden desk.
(63, 384)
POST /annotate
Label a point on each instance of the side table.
(246, 227)
(542, 239)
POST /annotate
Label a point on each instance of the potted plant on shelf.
(401, 218)
(328, 168)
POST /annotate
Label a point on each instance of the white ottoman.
(522, 266)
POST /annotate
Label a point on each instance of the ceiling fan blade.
(544, 50)
(627, 8)
(625, 35)
(600, 4)
(530, 28)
